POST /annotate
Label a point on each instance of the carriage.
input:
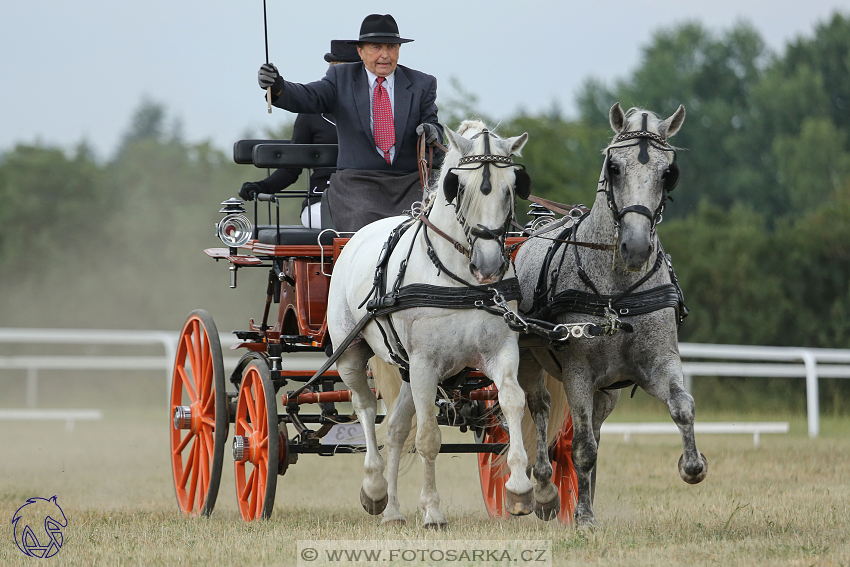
(279, 413)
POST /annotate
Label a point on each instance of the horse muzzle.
(488, 263)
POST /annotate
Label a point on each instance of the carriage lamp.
(240, 448)
(235, 230)
(540, 216)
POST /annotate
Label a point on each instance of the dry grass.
(784, 503)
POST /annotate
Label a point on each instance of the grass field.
(786, 502)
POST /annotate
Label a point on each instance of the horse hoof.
(374, 507)
(398, 523)
(437, 526)
(547, 510)
(519, 504)
(586, 523)
(693, 476)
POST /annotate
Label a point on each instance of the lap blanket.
(358, 197)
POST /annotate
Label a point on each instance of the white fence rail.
(778, 362)
(753, 428)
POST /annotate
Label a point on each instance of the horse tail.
(557, 408)
(388, 385)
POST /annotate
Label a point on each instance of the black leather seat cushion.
(293, 235)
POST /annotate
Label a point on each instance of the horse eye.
(613, 168)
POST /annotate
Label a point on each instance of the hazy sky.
(77, 70)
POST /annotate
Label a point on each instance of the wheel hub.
(182, 417)
(241, 448)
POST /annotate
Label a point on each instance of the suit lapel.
(403, 97)
(360, 85)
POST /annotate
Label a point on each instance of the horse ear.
(514, 145)
(522, 184)
(463, 145)
(669, 127)
(450, 186)
(617, 118)
(671, 177)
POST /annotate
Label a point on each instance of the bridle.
(644, 139)
(454, 191)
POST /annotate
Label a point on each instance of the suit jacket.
(344, 92)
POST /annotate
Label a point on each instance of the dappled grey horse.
(606, 276)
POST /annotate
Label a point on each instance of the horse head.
(639, 171)
(481, 181)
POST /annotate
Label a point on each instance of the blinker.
(451, 183)
(522, 183)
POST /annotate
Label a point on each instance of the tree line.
(759, 230)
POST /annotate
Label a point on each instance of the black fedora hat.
(380, 29)
(342, 51)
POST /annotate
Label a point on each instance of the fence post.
(32, 387)
(812, 401)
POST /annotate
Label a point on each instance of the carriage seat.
(293, 235)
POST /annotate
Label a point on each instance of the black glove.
(248, 191)
(268, 76)
(431, 132)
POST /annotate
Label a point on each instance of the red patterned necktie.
(383, 118)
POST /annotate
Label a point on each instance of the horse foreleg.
(584, 447)
(531, 378)
(398, 428)
(519, 495)
(423, 387)
(693, 466)
(352, 370)
(604, 403)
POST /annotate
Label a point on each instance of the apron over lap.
(358, 197)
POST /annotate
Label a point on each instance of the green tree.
(49, 198)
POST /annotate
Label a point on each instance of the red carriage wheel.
(256, 445)
(563, 472)
(198, 415)
(493, 472)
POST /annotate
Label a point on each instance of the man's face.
(380, 58)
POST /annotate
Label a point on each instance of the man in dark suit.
(308, 129)
(380, 107)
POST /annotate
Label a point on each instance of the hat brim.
(331, 58)
(380, 39)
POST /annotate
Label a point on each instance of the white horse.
(473, 205)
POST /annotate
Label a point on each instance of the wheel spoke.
(191, 348)
(209, 405)
(193, 483)
(256, 492)
(187, 383)
(207, 420)
(206, 457)
(251, 402)
(249, 484)
(246, 427)
(179, 449)
(187, 468)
